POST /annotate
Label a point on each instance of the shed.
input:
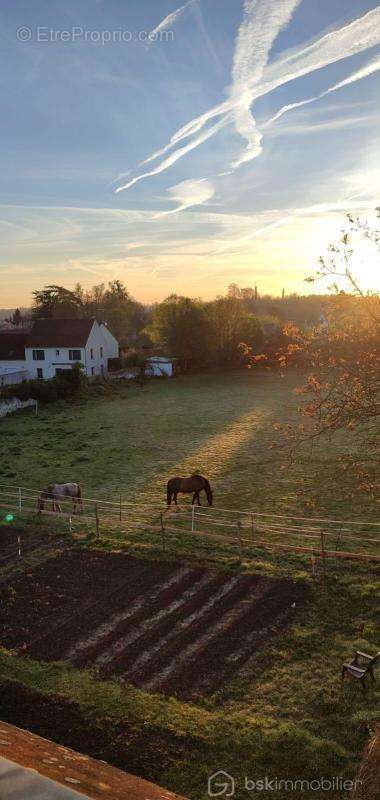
(161, 366)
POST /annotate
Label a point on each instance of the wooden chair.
(361, 665)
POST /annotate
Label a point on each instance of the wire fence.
(314, 538)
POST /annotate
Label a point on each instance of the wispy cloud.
(168, 22)
(189, 194)
(253, 77)
(168, 162)
(358, 75)
(260, 27)
(326, 125)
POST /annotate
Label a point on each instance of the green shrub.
(60, 387)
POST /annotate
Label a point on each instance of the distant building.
(53, 346)
(160, 366)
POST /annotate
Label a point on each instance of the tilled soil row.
(53, 645)
(224, 654)
(191, 630)
(102, 630)
(107, 644)
(156, 631)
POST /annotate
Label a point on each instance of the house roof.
(26, 760)
(60, 333)
(12, 345)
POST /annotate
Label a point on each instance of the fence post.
(239, 538)
(323, 556)
(97, 519)
(19, 546)
(193, 518)
(19, 499)
(120, 510)
(313, 564)
(163, 532)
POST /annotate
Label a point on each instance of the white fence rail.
(317, 537)
(14, 404)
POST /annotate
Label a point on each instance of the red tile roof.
(12, 345)
(94, 779)
(60, 333)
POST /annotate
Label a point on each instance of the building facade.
(53, 346)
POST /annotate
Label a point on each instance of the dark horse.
(195, 485)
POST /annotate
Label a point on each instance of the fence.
(14, 404)
(243, 530)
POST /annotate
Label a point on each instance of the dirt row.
(166, 627)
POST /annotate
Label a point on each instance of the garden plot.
(166, 627)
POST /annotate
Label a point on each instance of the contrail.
(172, 18)
(364, 72)
(254, 78)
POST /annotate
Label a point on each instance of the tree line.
(195, 331)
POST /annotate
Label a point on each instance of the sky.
(182, 147)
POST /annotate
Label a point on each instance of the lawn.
(219, 424)
(285, 713)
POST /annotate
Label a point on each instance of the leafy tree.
(180, 325)
(114, 305)
(56, 301)
(342, 392)
(232, 325)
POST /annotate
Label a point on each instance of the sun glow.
(366, 265)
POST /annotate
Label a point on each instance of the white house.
(53, 346)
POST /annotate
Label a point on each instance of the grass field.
(285, 713)
(221, 425)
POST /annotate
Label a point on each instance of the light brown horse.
(193, 485)
(57, 492)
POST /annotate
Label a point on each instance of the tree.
(16, 318)
(56, 301)
(114, 305)
(232, 325)
(181, 327)
(342, 392)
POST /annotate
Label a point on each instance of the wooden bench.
(361, 665)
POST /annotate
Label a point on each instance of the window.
(101, 352)
(57, 352)
(92, 353)
(38, 355)
(92, 370)
(74, 355)
(40, 373)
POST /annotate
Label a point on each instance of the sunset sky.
(226, 149)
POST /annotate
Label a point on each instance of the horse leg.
(193, 499)
(175, 498)
(198, 498)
